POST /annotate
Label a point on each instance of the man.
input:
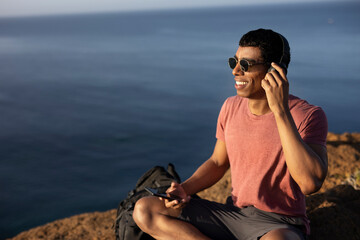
(275, 146)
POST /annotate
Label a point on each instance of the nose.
(237, 70)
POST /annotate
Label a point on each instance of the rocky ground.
(334, 211)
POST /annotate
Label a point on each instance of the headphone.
(285, 56)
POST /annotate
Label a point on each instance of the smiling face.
(248, 84)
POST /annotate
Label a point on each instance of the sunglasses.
(244, 64)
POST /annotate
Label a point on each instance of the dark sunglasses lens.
(232, 63)
(244, 65)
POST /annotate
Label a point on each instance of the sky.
(14, 8)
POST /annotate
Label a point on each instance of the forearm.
(205, 176)
(306, 167)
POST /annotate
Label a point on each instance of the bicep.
(220, 156)
(321, 152)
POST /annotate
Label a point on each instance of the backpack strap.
(172, 172)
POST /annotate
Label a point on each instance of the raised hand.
(276, 86)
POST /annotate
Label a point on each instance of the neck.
(259, 106)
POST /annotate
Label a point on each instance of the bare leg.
(282, 234)
(151, 215)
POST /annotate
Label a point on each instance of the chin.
(242, 94)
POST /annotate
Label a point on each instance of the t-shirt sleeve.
(220, 128)
(316, 128)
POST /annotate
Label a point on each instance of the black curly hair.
(273, 46)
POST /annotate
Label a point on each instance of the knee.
(142, 214)
(282, 234)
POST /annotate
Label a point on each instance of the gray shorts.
(226, 221)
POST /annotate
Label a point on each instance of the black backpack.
(157, 178)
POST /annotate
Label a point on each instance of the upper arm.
(321, 152)
(317, 170)
(220, 156)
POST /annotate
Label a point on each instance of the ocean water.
(90, 102)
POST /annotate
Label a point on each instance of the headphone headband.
(285, 52)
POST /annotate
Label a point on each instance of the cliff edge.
(334, 211)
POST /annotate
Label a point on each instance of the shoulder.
(310, 120)
(300, 108)
(233, 102)
(230, 107)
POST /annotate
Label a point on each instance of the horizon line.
(145, 10)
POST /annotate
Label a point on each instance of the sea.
(90, 102)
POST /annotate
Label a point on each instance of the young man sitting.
(275, 146)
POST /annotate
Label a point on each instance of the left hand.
(176, 190)
(276, 87)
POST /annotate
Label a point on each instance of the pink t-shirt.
(258, 169)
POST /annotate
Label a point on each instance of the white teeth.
(240, 83)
